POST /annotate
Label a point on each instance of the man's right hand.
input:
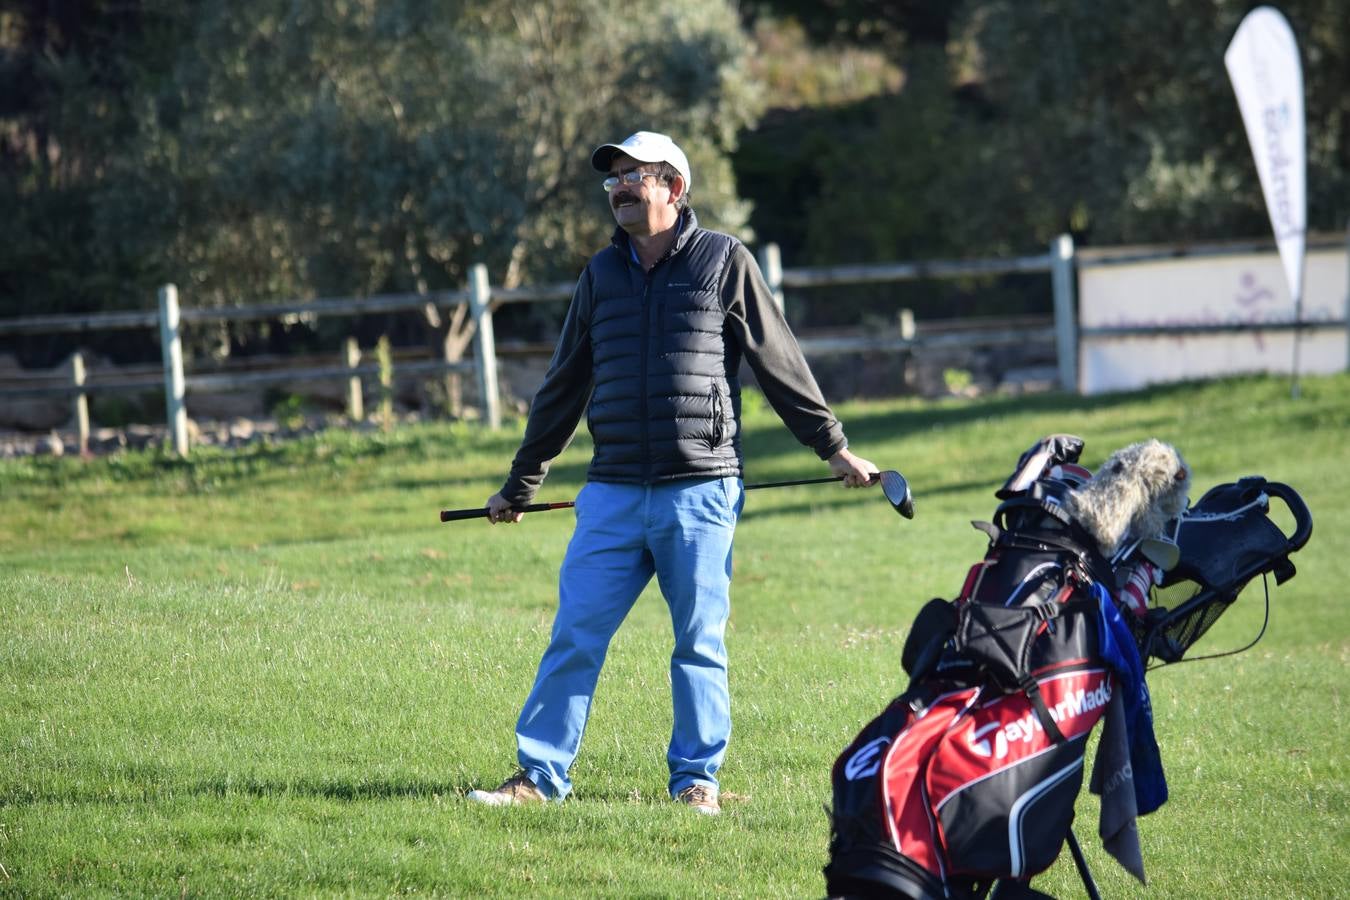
(499, 510)
(854, 470)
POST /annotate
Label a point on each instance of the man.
(650, 351)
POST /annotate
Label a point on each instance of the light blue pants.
(681, 531)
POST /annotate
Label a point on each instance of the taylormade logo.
(866, 760)
(992, 740)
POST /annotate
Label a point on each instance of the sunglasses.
(632, 178)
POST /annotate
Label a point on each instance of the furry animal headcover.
(1134, 494)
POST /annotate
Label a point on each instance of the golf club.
(893, 485)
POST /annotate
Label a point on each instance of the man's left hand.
(856, 471)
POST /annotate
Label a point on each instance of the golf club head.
(896, 489)
(1161, 552)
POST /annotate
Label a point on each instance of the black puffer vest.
(667, 400)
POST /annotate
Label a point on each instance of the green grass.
(273, 672)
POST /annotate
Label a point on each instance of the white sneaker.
(517, 790)
(701, 798)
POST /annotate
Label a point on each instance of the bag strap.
(1032, 689)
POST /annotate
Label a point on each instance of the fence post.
(81, 402)
(356, 408)
(171, 348)
(456, 338)
(771, 267)
(906, 322)
(1066, 325)
(384, 354)
(485, 350)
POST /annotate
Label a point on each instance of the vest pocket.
(719, 431)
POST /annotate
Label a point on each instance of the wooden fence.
(468, 315)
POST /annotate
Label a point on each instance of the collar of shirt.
(622, 237)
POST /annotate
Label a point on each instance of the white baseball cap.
(645, 147)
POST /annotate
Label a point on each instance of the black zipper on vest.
(642, 375)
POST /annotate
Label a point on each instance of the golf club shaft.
(774, 484)
(455, 515)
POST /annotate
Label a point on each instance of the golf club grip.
(455, 515)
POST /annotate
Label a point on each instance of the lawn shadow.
(844, 497)
(768, 445)
(768, 440)
(337, 788)
(146, 784)
(558, 473)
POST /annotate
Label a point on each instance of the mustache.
(616, 199)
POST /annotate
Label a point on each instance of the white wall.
(1215, 290)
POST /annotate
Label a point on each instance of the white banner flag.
(1263, 64)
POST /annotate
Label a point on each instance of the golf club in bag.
(964, 786)
(893, 485)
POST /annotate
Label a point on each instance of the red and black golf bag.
(967, 781)
(972, 773)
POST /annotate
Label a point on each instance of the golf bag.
(972, 773)
(968, 779)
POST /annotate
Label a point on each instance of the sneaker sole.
(492, 798)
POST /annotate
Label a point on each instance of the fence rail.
(821, 276)
(79, 323)
(472, 309)
(1184, 330)
(337, 306)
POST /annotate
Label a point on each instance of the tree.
(265, 151)
(1116, 123)
(1020, 121)
(895, 26)
(382, 146)
(66, 88)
